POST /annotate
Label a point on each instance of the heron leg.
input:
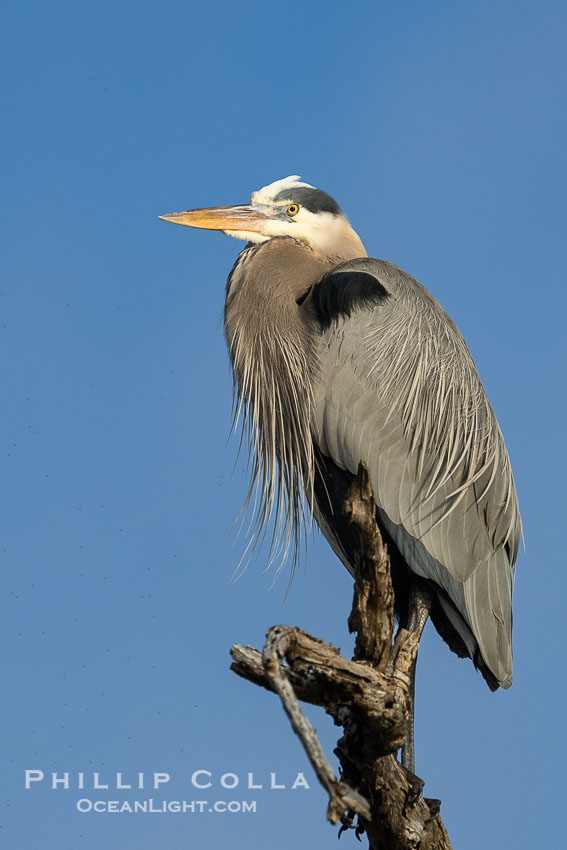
(419, 606)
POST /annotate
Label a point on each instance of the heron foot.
(434, 807)
(416, 786)
(348, 823)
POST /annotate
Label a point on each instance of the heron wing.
(399, 391)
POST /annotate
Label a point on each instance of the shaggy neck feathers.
(271, 349)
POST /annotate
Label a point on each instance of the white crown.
(269, 192)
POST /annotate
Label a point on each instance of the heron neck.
(266, 283)
(273, 354)
(269, 336)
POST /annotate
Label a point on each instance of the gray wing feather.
(399, 391)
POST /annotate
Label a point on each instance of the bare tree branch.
(368, 697)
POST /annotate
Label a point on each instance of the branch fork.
(369, 696)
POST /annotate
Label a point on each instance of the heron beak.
(244, 217)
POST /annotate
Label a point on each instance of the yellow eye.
(293, 209)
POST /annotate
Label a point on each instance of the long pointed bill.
(243, 217)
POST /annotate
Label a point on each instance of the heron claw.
(434, 807)
(348, 823)
(416, 786)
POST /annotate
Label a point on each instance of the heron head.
(287, 207)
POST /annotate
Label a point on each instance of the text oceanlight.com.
(160, 807)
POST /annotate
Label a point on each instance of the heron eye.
(293, 209)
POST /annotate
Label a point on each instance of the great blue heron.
(338, 359)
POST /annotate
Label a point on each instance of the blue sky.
(440, 129)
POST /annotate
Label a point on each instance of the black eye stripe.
(313, 200)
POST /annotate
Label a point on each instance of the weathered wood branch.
(368, 697)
